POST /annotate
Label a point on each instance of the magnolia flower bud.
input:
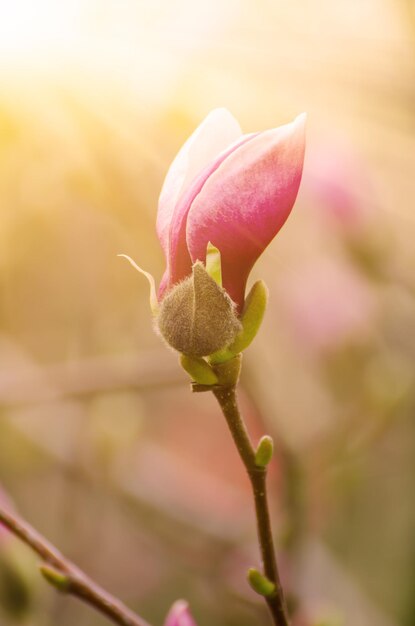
(179, 615)
(232, 190)
(197, 317)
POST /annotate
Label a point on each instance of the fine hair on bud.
(197, 317)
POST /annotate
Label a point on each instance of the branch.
(226, 397)
(67, 577)
(30, 383)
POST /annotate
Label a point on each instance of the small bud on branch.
(260, 583)
(264, 451)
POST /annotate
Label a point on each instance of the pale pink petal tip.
(179, 615)
(301, 118)
(214, 134)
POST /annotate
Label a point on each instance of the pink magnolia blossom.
(233, 190)
(179, 615)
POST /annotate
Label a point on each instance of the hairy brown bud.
(197, 317)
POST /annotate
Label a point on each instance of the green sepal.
(251, 320)
(264, 451)
(197, 317)
(198, 369)
(260, 583)
(55, 577)
(214, 264)
(221, 356)
(252, 316)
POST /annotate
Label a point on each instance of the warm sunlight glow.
(102, 443)
(147, 46)
(36, 31)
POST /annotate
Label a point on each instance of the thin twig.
(32, 384)
(226, 397)
(66, 576)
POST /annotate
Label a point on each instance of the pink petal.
(179, 615)
(217, 131)
(246, 200)
(179, 263)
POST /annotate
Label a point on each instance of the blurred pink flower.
(328, 304)
(338, 180)
(179, 615)
(233, 190)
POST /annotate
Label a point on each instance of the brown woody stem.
(66, 576)
(226, 396)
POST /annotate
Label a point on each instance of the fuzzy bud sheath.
(197, 317)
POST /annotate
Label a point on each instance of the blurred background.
(102, 446)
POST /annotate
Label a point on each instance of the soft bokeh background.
(102, 445)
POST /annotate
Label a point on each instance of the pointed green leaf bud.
(55, 577)
(197, 317)
(260, 583)
(213, 263)
(252, 316)
(264, 451)
(199, 370)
